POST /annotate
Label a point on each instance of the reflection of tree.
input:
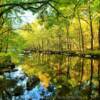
(67, 83)
(59, 65)
(78, 65)
(39, 58)
(82, 70)
(68, 67)
(91, 77)
(99, 76)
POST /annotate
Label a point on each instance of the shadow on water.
(52, 77)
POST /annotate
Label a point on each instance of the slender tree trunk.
(67, 35)
(91, 26)
(1, 33)
(59, 46)
(47, 45)
(81, 33)
(1, 43)
(59, 42)
(6, 49)
(1, 25)
(42, 44)
(79, 39)
(7, 42)
(99, 34)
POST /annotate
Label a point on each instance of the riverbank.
(6, 63)
(89, 54)
(9, 57)
(86, 53)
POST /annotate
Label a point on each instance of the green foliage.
(56, 28)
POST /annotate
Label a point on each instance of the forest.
(59, 25)
(46, 37)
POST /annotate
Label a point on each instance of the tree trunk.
(99, 35)
(81, 33)
(1, 25)
(47, 45)
(1, 42)
(1, 33)
(42, 45)
(59, 42)
(67, 35)
(91, 27)
(6, 48)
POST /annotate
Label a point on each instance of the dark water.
(57, 77)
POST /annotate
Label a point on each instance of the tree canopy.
(59, 24)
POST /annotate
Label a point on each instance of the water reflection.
(58, 77)
(71, 76)
(99, 77)
(16, 85)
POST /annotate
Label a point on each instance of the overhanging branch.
(23, 5)
(58, 12)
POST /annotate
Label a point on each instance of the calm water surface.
(55, 77)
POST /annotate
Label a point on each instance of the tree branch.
(24, 5)
(58, 12)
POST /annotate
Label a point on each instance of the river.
(52, 77)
